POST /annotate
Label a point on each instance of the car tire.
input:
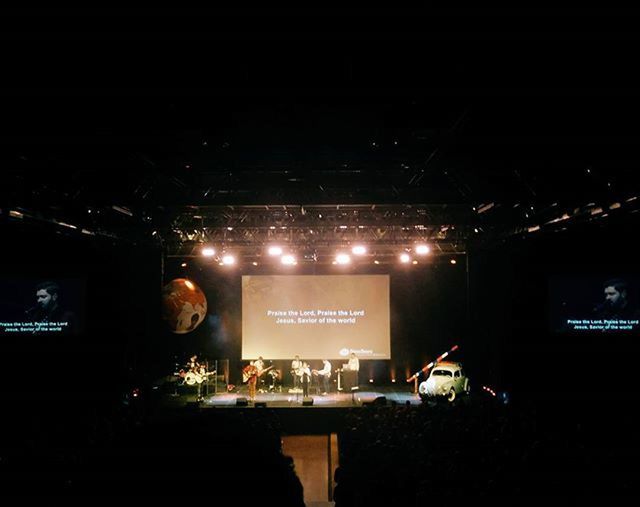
(451, 397)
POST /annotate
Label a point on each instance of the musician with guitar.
(251, 373)
(259, 364)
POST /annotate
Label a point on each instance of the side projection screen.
(41, 307)
(315, 316)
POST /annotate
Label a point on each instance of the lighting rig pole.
(414, 377)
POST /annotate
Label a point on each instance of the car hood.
(432, 384)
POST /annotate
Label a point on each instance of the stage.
(385, 395)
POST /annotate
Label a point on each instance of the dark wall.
(121, 305)
(510, 310)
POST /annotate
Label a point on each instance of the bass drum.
(191, 379)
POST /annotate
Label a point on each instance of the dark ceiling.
(125, 122)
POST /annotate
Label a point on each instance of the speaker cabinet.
(379, 401)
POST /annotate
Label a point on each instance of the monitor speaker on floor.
(307, 401)
(379, 401)
(241, 402)
(260, 404)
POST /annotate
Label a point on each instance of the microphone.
(601, 306)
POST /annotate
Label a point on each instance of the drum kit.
(276, 380)
(196, 375)
(271, 380)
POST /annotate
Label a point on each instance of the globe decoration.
(184, 305)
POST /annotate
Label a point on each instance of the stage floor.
(286, 399)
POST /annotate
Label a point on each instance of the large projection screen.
(315, 316)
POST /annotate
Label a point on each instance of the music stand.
(215, 378)
(206, 378)
(176, 367)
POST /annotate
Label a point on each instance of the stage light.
(124, 211)
(422, 249)
(63, 224)
(415, 262)
(228, 260)
(405, 258)
(343, 258)
(275, 250)
(254, 263)
(359, 250)
(453, 261)
(208, 251)
(393, 380)
(371, 381)
(288, 260)
(184, 264)
(376, 261)
(189, 285)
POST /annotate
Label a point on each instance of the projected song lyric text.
(313, 317)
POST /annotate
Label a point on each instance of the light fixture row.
(341, 257)
(289, 259)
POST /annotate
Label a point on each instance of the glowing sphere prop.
(184, 305)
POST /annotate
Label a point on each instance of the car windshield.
(441, 373)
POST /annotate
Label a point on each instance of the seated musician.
(193, 364)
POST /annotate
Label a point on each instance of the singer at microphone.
(616, 304)
(48, 308)
(31, 312)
